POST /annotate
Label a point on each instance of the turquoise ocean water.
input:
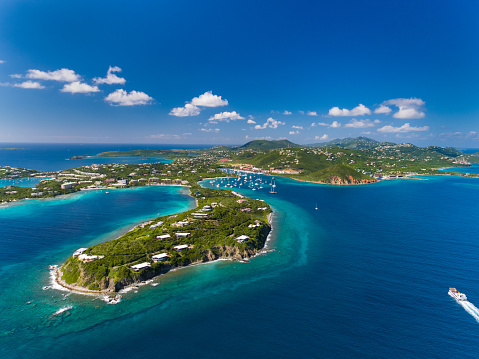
(365, 276)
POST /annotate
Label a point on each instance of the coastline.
(16, 202)
(333, 184)
(57, 273)
(56, 276)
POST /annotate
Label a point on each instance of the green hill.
(338, 174)
(352, 143)
(264, 145)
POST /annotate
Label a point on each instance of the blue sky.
(226, 72)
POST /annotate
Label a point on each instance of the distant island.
(137, 153)
(340, 162)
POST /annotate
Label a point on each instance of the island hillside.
(225, 224)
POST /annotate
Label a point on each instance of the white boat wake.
(470, 308)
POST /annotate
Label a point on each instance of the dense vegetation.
(264, 145)
(7, 172)
(346, 161)
(228, 218)
(351, 160)
(143, 153)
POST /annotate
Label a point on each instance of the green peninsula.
(223, 225)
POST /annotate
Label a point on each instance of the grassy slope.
(224, 224)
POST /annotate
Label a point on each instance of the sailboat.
(273, 186)
(316, 206)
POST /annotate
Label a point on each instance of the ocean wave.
(111, 300)
(471, 309)
(61, 310)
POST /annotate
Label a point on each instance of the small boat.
(458, 296)
(316, 206)
(273, 186)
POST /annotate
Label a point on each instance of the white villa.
(182, 234)
(139, 267)
(78, 252)
(160, 257)
(242, 238)
(180, 247)
(86, 258)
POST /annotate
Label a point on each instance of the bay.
(365, 275)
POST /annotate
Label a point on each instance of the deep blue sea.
(55, 156)
(365, 275)
(468, 169)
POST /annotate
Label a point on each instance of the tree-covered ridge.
(213, 228)
(184, 170)
(146, 153)
(265, 145)
(7, 172)
(340, 165)
(336, 165)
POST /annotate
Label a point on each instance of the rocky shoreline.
(226, 253)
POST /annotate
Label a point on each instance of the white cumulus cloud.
(319, 124)
(122, 98)
(169, 136)
(2, 61)
(187, 110)
(312, 113)
(460, 135)
(335, 124)
(78, 87)
(322, 138)
(215, 130)
(258, 138)
(383, 109)
(270, 123)
(287, 112)
(297, 127)
(402, 129)
(62, 75)
(225, 116)
(409, 108)
(209, 100)
(251, 121)
(294, 132)
(359, 110)
(30, 85)
(359, 123)
(110, 78)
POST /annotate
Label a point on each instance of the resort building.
(160, 257)
(180, 224)
(68, 185)
(78, 252)
(199, 215)
(180, 247)
(139, 267)
(163, 236)
(86, 258)
(242, 238)
(182, 235)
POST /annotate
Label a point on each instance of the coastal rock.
(336, 180)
